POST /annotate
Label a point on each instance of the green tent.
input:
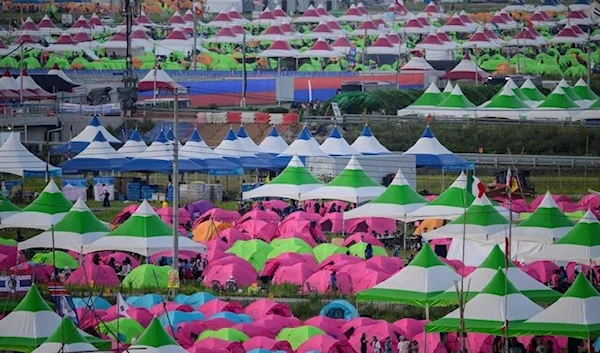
(254, 251)
(9, 62)
(531, 91)
(125, 328)
(323, 251)
(558, 99)
(68, 338)
(456, 100)
(155, 339)
(290, 247)
(568, 90)
(432, 97)
(147, 276)
(582, 90)
(7, 208)
(63, 260)
(225, 334)
(298, 335)
(358, 249)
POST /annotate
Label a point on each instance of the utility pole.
(175, 185)
(589, 58)
(128, 93)
(194, 54)
(244, 73)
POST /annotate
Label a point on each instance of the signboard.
(103, 109)
(99, 184)
(12, 284)
(336, 109)
(74, 189)
(173, 279)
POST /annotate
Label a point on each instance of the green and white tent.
(66, 338)
(156, 340)
(78, 228)
(532, 92)
(568, 90)
(583, 91)
(425, 277)
(456, 100)
(498, 304)
(289, 184)
(144, 233)
(449, 205)
(351, 185)
(45, 211)
(430, 98)
(447, 89)
(558, 99)
(478, 279)
(546, 224)
(506, 99)
(479, 222)
(7, 208)
(575, 314)
(581, 244)
(516, 90)
(398, 200)
(31, 323)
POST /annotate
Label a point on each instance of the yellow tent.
(209, 230)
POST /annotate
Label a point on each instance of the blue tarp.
(339, 309)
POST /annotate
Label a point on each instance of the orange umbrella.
(209, 230)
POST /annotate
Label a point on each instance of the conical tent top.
(399, 179)
(335, 133)
(568, 90)
(455, 194)
(531, 91)
(95, 121)
(482, 213)
(135, 136)
(304, 134)
(155, 336)
(495, 259)
(558, 99)
(448, 89)
(80, 220)
(6, 205)
(499, 285)
(161, 138)
(242, 132)
(456, 99)
(585, 233)
(431, 97)
(143, 223)
(169, 135)
(507, 99)
(295, 162)
(547, 215)
(582, 90)
(231, 136)
(99, 137)
(273, 132)
(32, 302)
(581, 288)
(426, 258)
(50, 201)
(195, 136)
(66, 333)
(399, 192)
(366, 131)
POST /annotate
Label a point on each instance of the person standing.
(106, 194)
(376, 345)
(363, 343)
(403, 345)
(387, 345)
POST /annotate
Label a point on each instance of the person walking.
(106, 194)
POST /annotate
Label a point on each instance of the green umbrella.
(147, 276)
(9, 62)
(323, 251)
(225, 334)
(358, 249)
(222, 66)
(254, 251)
(386, 67)
(286, 242)
(31, 63)
(127, 329)
(333, 68)
(298, 335)
(63, 259)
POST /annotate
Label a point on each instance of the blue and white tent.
(200, 153)
(273, 143)
(251, 146)
(430, 153)
(235, 150)
(158, 158)
(336, 145)
(134, 146)
(368, 144)
(98, 156)
(304, 145)
(83, 139)
(171, 137)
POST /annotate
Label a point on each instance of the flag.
(70, 139)
(474, 185)
(511, 182)
(63, 301)
(124, 133)
(68, 310)
(122, 306)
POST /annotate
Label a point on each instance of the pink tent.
(8, 257)
(538, 200)
(480, 342)
(41, 273)
(245, 275)
(214, 306)
(215, 253)
(262, 307)
(352, 325)
(331, 326)
(442, 241)
(94, 275)
(307, 237)
(216, 244)
(296, 274)
(119, 258)
(410, 327)
(560, 343)
(337, 261)
(141, 315)
(590, 201)
(274, 323)
(253, 330)
(161, 308)
(465, 271)
(572, 266)
(231, 235)
(183, 255)
(371, 224)
(286, 259)
(124, 214)
(89, 318)
(325, 344)
(368, 280)
(302, 215)
(361, 237)
(218, 214)
(434, 342)
(338, 204)
(387, 264)
(320, 282)
(187, 330)
(544, 269)
(303, 227)
(259, 229)
(456, 264)
(332, 222)
(215, 343)
(268, 216)
(381, 330)
(166, 213)
(275, 204)
(268, 344)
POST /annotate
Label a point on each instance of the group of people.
(403, 345)
(189, 270)
(560, 280)
(122, 270)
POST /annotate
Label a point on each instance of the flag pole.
(507, 256)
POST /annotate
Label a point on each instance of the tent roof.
(456, 100)
(507, 99)
(16, 159)
(417, 63)
(366, 143)
(304, 145)
(80, 142)
(99, 155)
(558, 99)
(336, 145)
(273, 143)
(432, 154)
(163, 82)
(432, 97)
(582, 90)
(134, 146)
(531, 91)
(466, 69)
(157, 340)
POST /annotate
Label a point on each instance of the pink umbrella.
(262, 307)
(544, 269)
(267, 216)
(231, 235)
(411, 327)
(183, 255)
(259, 229)
(356, 270)
(325, 344)
(590, 201)
(124, 214)
(331, 326)
(244, 275)
(387, 264)
(371, 224)
(41, 273)
(218, 214)
(119, 258)
(307, 237)
(369, 280)
(214, 254)
(337, 261)
(215, 343)
(465, 271)
(92, 275)
(214, 306)
(141, 315)
(88, 317)
(166, 213)
(268, 344)
(296, 274)
(518, 205)
(274, 323)
(303, 227)
(320, 282)
(253, 330)
(351, 326)
(332, 222)
(361, 237)
(286, 259)
(198, 349)
(456, 264)
(167, 307)
(301, 216)
(216, 244)
(572, 266)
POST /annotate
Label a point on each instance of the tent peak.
(99, 137)
(144, 210)
(353, 164)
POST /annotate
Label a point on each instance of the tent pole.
(405, 233)
(175, 184)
